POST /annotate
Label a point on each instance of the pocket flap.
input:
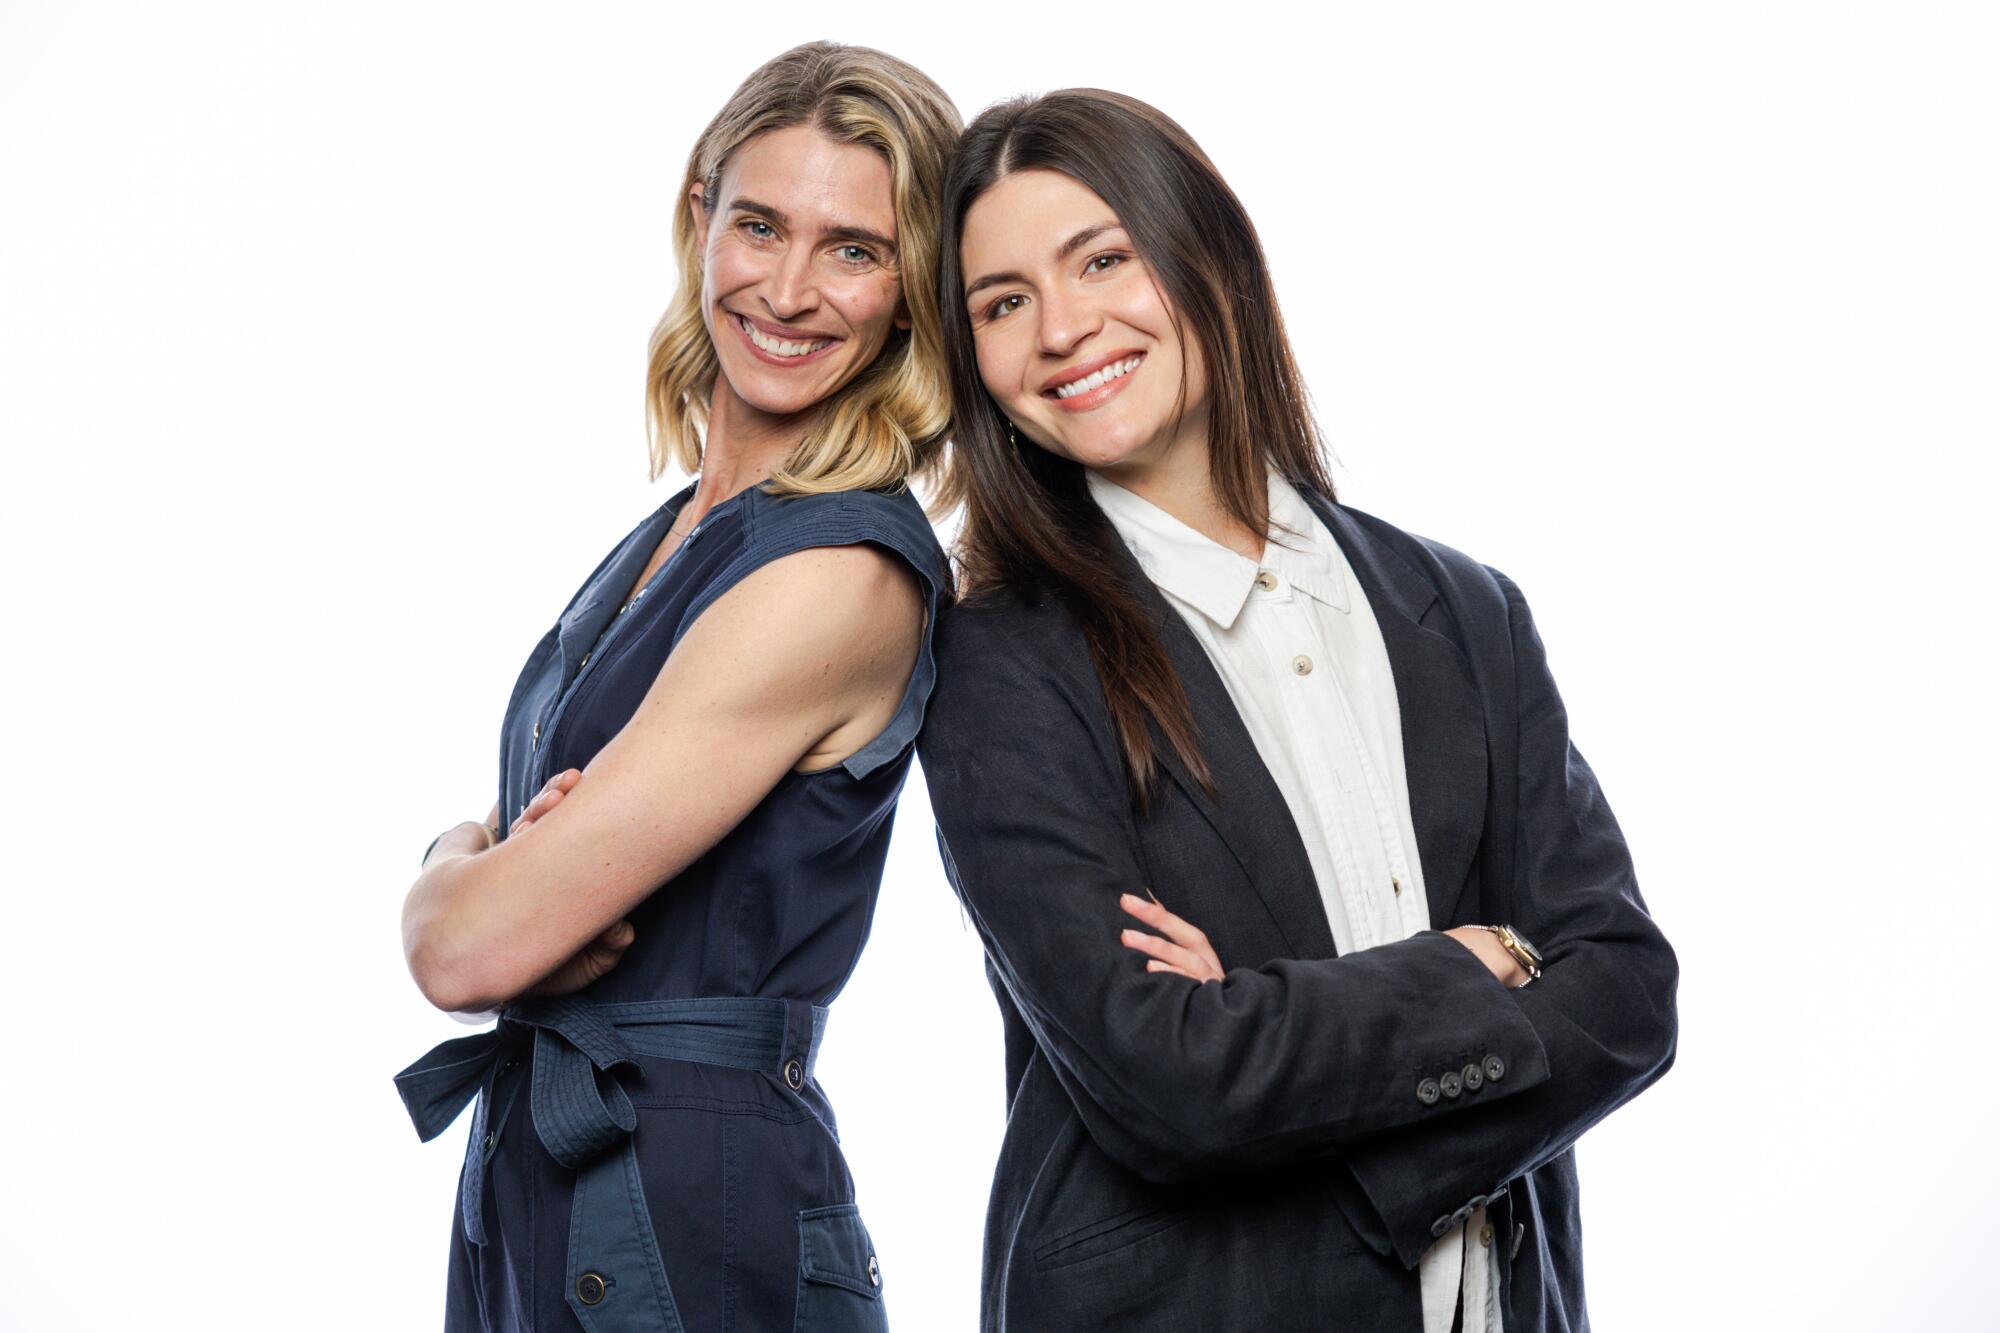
(834, 1249)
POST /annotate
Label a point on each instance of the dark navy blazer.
(1278, 1150)
(745, 1215)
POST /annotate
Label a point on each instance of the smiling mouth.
(1097, 379)
(780, 347)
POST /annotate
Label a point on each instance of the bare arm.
(805, 654)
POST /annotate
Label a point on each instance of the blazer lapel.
(1444, 728)
(1248, 812)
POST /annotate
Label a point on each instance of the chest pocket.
(840, 1282)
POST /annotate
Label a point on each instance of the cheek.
(867, 305)
(727, 269)
(999, 366)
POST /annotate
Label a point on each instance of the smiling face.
(1074, 338)
(799, 268)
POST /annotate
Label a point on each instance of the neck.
(1173, 475)
(742, 447)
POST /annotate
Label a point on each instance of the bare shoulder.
(850, 612)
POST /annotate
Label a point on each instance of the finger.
(545, 800)
(1155, 965)
(1166, 951)
(566, 779)
(1160, 919)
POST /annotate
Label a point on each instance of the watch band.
(1518, 950)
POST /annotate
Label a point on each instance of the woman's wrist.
(463, 839)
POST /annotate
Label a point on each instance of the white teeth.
(776, 346)
(1097, 379)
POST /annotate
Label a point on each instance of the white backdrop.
(321, 336)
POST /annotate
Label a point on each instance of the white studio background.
(321, 336)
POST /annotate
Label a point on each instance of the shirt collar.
(1302, 551)
(1207, 575)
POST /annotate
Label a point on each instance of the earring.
(1012, 440)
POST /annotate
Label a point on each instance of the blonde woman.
(700, 761)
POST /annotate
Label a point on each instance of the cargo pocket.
(840, 1284)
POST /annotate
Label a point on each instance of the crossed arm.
(1292, 1059)
(798, 664)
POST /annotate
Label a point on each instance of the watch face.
(1526, 947)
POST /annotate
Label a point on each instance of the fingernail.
(1128, 898)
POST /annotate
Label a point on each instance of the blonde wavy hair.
(890, 421)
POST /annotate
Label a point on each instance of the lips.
(775, 345)
(1092, 382)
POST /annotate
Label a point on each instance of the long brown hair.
(1030, 525)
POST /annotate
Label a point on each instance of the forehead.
(1025, 216)
(814, 180)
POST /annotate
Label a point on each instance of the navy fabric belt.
(579, 1106)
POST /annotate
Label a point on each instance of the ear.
(700, 218)
(902, 315)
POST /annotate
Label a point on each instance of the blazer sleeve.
(1603, 1010)
(1172, 1079)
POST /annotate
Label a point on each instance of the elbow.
(449, 967)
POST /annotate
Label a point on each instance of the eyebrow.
(1063, 251)
(841, 231)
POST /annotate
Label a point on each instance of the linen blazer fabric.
(1278, 1150)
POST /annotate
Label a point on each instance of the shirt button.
(1486, 1235)
(1267, 580)
(1397, 885)
(584, 663)
(536, 739)
(874, 1272)
(1302, 665)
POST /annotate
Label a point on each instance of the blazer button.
(794, 1074)
(1496, 1069)
(1473, 1079)
(1451, 1083)
(590, 1288)
(1428, 1092)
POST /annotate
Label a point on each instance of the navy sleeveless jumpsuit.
(654, 1152)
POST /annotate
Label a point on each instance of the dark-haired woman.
(701, 760)
(1316, 944)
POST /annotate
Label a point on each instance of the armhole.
(781, 527)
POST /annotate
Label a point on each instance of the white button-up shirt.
(1297, 646)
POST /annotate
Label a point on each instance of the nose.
(791, 291)
(1068, 321)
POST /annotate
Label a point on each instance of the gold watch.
(1517, 947)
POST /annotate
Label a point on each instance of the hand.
(599, 956)
(546, 799)
(1486, 947)
(587, 964)
(1185, 950)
